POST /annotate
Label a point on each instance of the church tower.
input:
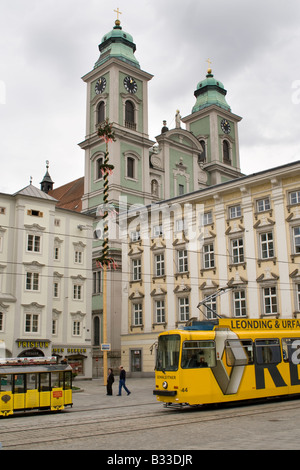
(216, 128)
(117, 90)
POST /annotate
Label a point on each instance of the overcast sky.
(48, 45)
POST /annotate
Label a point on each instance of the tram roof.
(33, 369)
(259, 324)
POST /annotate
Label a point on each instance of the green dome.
(210, 91)
(119, 44)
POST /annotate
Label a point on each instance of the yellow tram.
(37, 383)
(227, 360)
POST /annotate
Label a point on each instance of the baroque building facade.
(45, 278)
(241, 237)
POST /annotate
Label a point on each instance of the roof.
(210, 91)
(118, 44)
(69, 195)
(32, 191)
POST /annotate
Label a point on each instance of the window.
(182, 258)
(235, 212)
(180, 189)
(263, 205)
(1, 321)
(32, 281)
(137, 314)
(35, 213)
(136, 269)
(202, 156)
(266, 245)
(207, 218)
(96, 282)
(100, 112)
(267, 351)
(2, 210)
(130, 167)
(237, 250)
(129, 115)
(296, 239)
(239, 352)
(55, 289)
(54, 327)
(31, 323)
(159, 264)
(270, 300)
(56, 253)
(184, 308)
(77, 292)
(210, 307)
(99, 170)
(76, 328)
(291, 349)
(160, 311)
(157, 231)
(198, 354)
(226, 152)
(168, 352)
(239, 303)
(208, 256)
(295, 197)
(78, 255)
(135, 236)
(34, 243)
(298, 297)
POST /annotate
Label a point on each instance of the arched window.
(100, 112)
(226, 152)
(96, 331)
(129, 115)
(202, 156)
(130, 167)
(99, 163)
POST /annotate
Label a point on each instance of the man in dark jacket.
(122, 382)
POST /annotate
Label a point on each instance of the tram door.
(57, 383)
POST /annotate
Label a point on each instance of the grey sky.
(48, 45)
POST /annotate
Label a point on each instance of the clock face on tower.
(225, 126)
(130, 84)
(100, 85)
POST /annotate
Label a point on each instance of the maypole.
(105, 132)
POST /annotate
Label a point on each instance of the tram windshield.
(168, 352)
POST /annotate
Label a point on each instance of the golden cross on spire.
(209, 65)
(118, 13)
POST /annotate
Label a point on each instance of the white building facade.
(45, 279)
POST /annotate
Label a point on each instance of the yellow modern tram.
(30, 384)
(228, 360)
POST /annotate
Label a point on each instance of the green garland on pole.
(106, 133)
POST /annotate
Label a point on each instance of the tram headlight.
(165, 384)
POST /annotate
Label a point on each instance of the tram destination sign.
(265, 324)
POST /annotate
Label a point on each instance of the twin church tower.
(180, 161)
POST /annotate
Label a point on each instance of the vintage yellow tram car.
(30, 384)
(228, 360)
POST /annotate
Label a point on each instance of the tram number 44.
(184, 390)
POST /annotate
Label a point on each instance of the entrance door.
(136, 360)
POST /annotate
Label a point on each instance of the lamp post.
(105, 132)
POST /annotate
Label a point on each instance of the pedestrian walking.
(110, 381)
(122, 382)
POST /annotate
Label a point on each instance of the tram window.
(57, 379)
(291, 350)
(19, 383)
(45, 382)
(198, 354)
(239, 352)
(5, 383)
(68, 380)
(168, 352)
(31, 381)
(267, 351)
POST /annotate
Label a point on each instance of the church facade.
(239, 224)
